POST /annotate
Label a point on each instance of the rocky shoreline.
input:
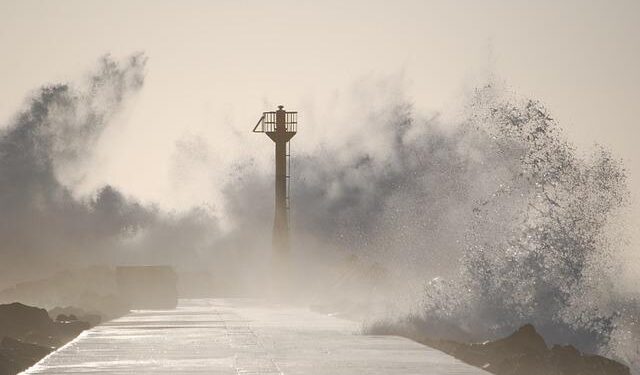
(522, 353)
(28, 333)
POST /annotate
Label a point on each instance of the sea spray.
(484, 224)
(539, 249)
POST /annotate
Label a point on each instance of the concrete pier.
(235, 336)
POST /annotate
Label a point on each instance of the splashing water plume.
(485, 224)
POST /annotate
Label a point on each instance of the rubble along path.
(240, 336)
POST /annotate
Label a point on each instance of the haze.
(470, 164)
(214, 66)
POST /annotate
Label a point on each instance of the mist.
(485, 224)
(485, 220)
(46, 225)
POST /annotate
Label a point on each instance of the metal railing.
(267, 122)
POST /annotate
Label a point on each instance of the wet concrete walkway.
(231, 336)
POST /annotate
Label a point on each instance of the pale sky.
(214, 66)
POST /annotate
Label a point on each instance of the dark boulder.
(68, 330)
(28, 334)
(16, 356)
(62, 318)
(27, 323)
(569, 360)
(69, 313)
(525, 353)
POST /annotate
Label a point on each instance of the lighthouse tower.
(280, 126)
